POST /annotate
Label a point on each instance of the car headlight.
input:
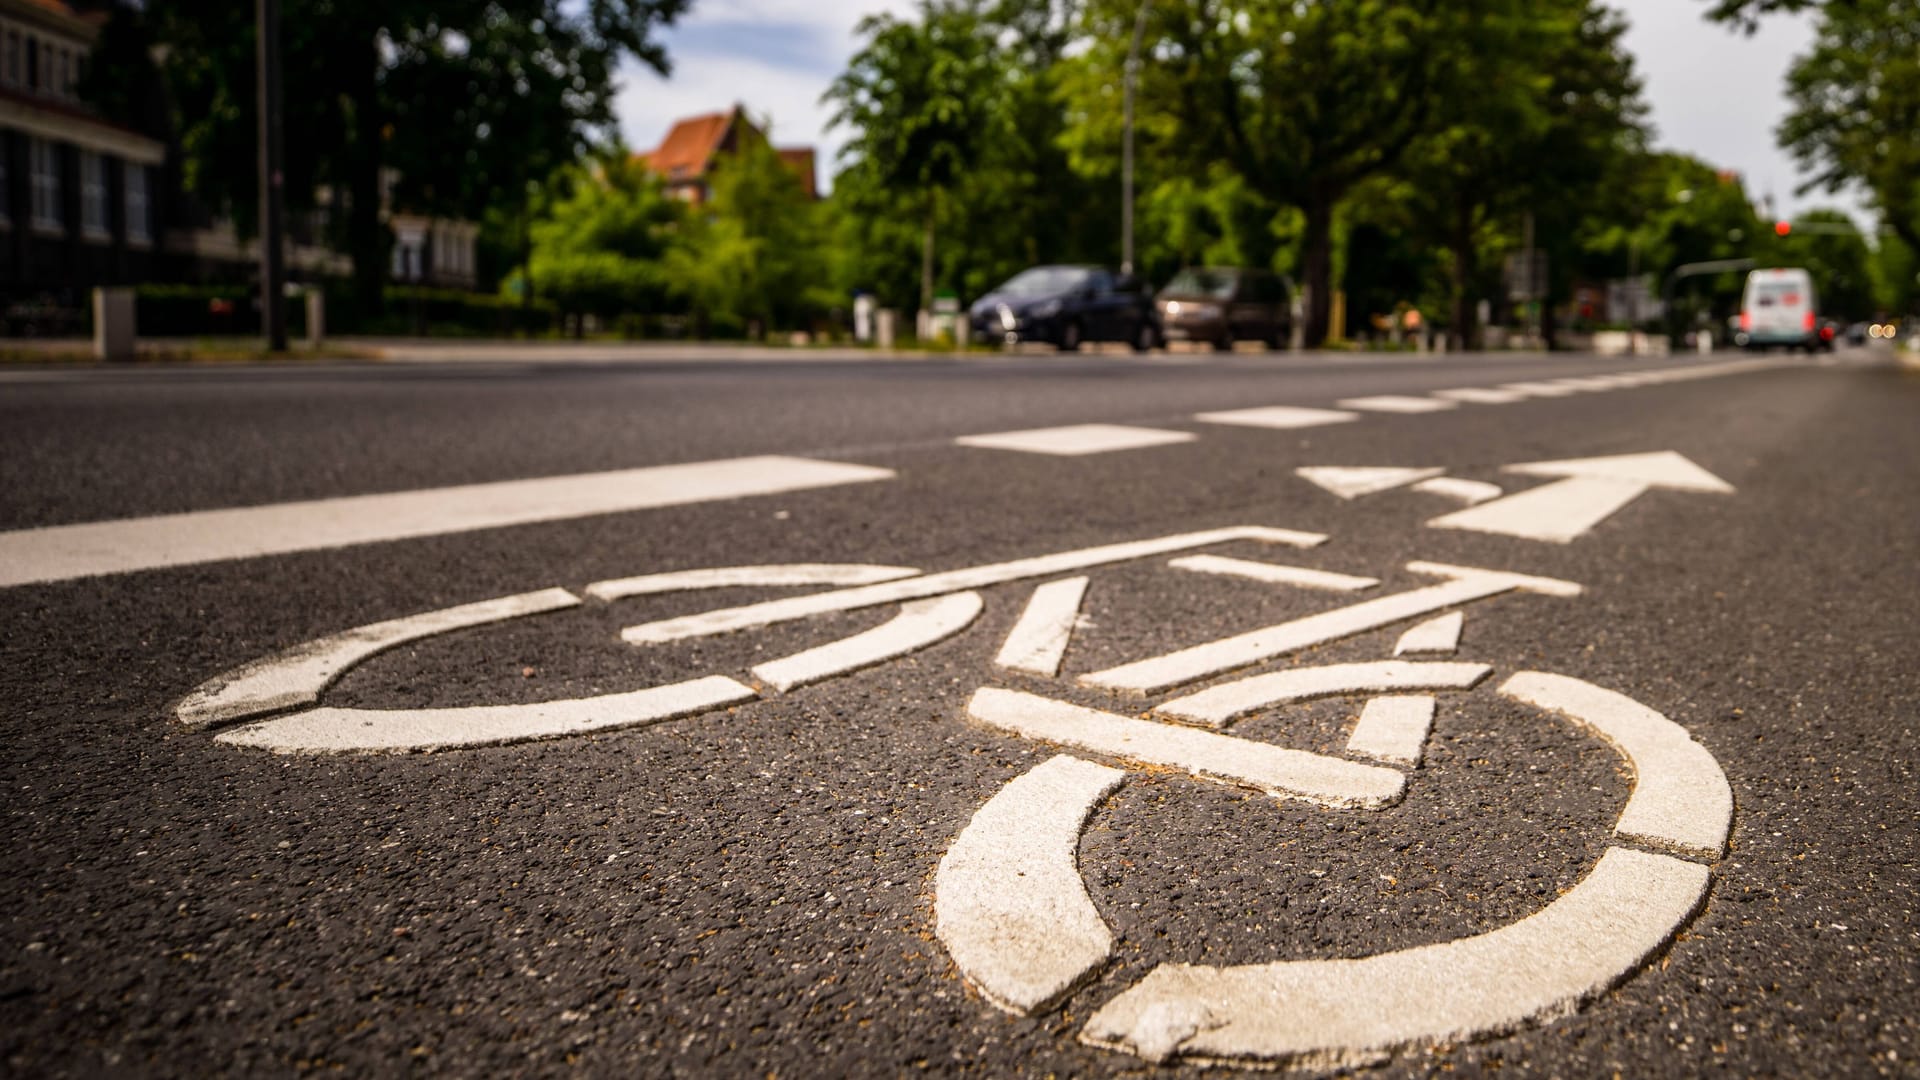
(1007, 319)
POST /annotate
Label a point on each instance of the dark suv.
(1220, 305)
(1066, 305)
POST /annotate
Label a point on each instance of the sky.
(1714, 92)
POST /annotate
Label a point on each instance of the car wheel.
(1070, 337)
(1144, 339)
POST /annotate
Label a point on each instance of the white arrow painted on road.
(1590, 491)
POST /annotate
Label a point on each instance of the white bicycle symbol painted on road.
(1010, 903)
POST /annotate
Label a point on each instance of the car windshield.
(1199, 282)
(1046, 281)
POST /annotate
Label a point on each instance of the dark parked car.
(1221, 305)
(1066, 305)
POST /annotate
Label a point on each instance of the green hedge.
(232, 310)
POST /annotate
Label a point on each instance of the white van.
(1779, 309)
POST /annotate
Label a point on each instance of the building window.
(5, 218)
(93, 195)
(10, 60)
(139, 221)
(44, 162)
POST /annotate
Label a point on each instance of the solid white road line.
(362, 730)
(979, 577)
(1009, 903)
(1217, 705)
(1399, 403)
(721, 577)
(1437, 635)
(920, 623)
(1474, 395)
(1587, 384)
(1273, 573)
(1038, 642)
(1077, 440)
(1471, 492)
(1680, 799)
(1345, 1013)
(1351, 482)
(1464, 585)
(60, 552)
(296, 676)
(1274, 770)
(1278, 417)
(1394, 728)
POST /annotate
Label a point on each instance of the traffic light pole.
(273, 308)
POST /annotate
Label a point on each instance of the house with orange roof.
(686, 158)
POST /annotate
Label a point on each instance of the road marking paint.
(920, 623)
(1593, 489)
(1586, 383)
(1351, 482)
(362, 730)
(720, 577)
(1009, 903)
(1437, 635)
(1394, 728)
(61, 552)
(1217, 705)
(1278, 417)
(1471, 492)
(1038, 642)
(295, 676)
(1076, 440)
(1345, 1013)
(1464, 585)
(771, 612)
(1539, 389)
(1273, 573)
(1399, 403)
(1474, 395)
(1681, 800)
(1274, 770)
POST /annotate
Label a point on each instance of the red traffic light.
(1782, 228)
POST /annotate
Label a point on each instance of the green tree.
(1856, 107)
(924, 98)
(600, 243)
(473, 102)
(753, 256)
(1305, 101)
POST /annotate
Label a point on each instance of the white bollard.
(113, 324)
(1704, 339)
(883, 327)
(316, 317)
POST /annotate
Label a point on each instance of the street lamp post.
(1126, 143)
(273, 309)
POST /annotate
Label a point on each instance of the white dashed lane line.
(1474, 395)
(1352, 482)
(1278, 417)
(1399, 403)
(1077, 440)
(61, 552)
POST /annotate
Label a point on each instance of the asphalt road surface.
(1237, 791)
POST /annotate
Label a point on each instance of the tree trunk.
(926, 260)
(1317, 266)
(1465, 268)
(366, 233)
